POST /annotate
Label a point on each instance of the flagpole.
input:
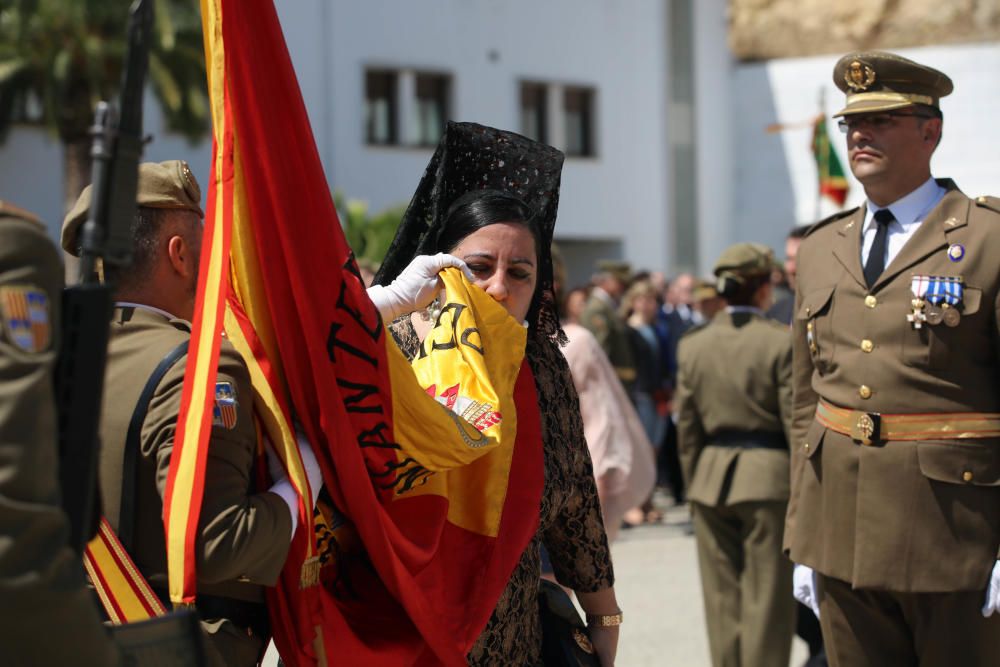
(819, 189)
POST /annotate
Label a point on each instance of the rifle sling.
(130, 466)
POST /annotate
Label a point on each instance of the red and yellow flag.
(432, 473)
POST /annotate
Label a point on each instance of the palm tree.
(58, 58)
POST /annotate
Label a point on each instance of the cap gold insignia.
(859, 76)
(186, 171)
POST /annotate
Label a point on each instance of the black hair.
(481, 208)
(145, 231)
(740, 292)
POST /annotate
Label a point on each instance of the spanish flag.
(432, 472)
(832, 182)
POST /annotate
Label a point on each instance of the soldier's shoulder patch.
(991, 203)
(24, 310)
(833, 218)
(225, 412)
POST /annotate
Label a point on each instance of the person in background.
(573, 304)
(707, 301)
(600, 317)
(784, 303)
(733, 401)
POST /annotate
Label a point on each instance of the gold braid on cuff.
(605, 620)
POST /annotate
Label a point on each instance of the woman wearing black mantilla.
(490, 198)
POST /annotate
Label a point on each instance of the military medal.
(939, 297)
(956, 252)
(917, 317)
(951, 316)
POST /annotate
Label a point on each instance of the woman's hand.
(605, 641)
(415, 287)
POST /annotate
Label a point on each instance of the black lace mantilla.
(475, 157)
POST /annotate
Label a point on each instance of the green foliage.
(58, 58)
(368, 235)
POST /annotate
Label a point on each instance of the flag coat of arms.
(429, 514)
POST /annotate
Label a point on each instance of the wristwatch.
(605, 620)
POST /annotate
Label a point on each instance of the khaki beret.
(877, 81)
(167, 184)
(745, 260)
(704, 290)
(617, 268)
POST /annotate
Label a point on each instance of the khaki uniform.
(244, 536)
(733, 410)
(47, 615)
(600, 318)
(902, 517)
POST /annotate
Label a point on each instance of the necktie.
(876, 256)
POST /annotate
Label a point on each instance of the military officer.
(896, 459)
(244, 534)
(600, 317)
(733, 405)
(42, 588)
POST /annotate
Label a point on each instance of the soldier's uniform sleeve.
(47, 615)
(690, 431)
(242, 534)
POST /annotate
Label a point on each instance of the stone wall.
(765, 29)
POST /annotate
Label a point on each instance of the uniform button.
(805, 446)
(808, 311)
(967, 476)
(867, 345)
(871, 301)
(864, 391)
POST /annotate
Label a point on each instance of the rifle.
(88, 305)
(106, 242)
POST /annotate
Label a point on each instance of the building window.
(431, 107)
(534, 111)
(578, 105)
(381, 107)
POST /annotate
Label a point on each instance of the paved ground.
(659, 590)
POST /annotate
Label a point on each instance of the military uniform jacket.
(903, 516)
(47, 614)
(243, 536)
(601, 319)
(734, 375)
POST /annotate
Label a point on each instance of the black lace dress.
(571, 527)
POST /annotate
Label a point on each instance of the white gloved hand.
(804, 587)
(993, 592)
(415, 287)
(309, 462)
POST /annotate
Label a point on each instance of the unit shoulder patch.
(225, 413)
(24, 310)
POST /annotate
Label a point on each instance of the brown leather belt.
(871, 427)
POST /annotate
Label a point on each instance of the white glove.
(804, 587)
(993, 592)
(283, 487)
(415, 287)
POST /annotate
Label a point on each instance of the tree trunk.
(76, 176)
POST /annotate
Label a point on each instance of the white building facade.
(668, 158)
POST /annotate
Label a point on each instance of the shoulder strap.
(126, 505)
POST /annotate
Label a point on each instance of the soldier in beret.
(244, 532)
(600, 317)
(733, 405)
(895, 501)
(41, 578)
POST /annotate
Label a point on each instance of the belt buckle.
(866, 427)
